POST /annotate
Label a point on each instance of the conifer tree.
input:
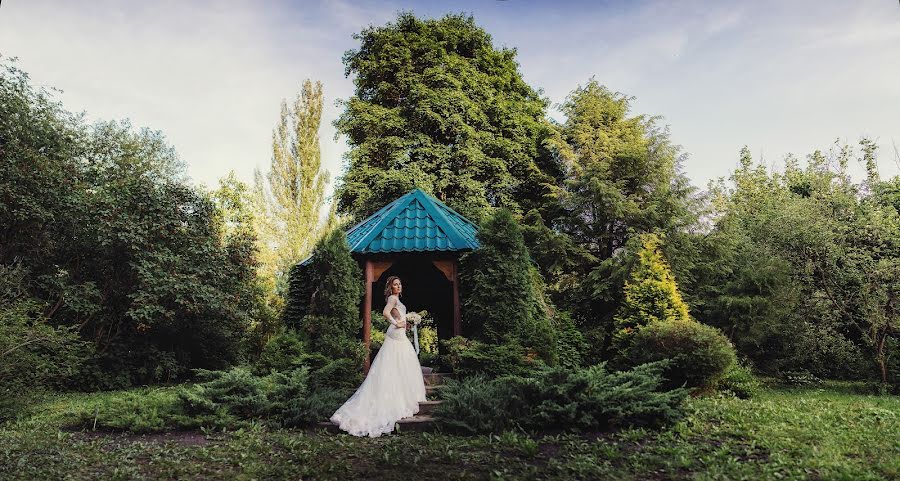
(333, 283)
(650, 294)
(502, 302)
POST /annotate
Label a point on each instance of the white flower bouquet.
(414, 319)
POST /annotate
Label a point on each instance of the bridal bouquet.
(415, 319)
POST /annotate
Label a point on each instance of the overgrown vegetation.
(789, 434)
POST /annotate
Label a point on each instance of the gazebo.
(418, 238)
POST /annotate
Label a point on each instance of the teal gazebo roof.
(416, 222)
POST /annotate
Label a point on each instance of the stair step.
(433, 392)
(419, 422)
(436, 378)
(427, 407)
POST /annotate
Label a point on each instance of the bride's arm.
(391, 304)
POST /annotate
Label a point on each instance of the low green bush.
(561, 398)
(284, 352)
(468, 357)
(700, 355)
(222, 399)
(740, 381)
(571, 345)
(799, 377)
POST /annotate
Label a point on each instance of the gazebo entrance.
(425, 287)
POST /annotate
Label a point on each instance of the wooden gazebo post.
(367, 313)
(457, 318)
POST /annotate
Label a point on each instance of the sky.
(779, 77)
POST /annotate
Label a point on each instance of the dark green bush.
(502, 302)
(237, 392)
(284, 352)
(467, 357)
(571, 345)
(800, 377)
(313, 408)
(222, 399)
(740, 381)
(700, 355)
(561, 398)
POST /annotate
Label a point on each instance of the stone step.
(435, 378)
(427, 407)
(433, 392)
(417, 423)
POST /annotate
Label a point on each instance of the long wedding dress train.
(391, 391)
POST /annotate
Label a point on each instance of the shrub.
(571, 344)
(740, 381)
(313, 408)
(700, 355)
(468, 357)
(236, 392)
(224, 399)
(561, 398)
(284, 352)
(148, 410)
(651, 295)
(34, 355)
(800, 377)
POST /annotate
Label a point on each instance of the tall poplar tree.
(292, 193)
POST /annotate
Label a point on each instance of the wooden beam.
(367, 314)
(457, 318)
(445, 266)
(379, 267)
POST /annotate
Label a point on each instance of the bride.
(394, 385)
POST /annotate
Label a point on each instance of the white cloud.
(778, 76)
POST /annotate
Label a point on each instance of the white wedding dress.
(391, 391)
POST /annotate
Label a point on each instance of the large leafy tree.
(804, 279)
(116, 245)
(439, 107)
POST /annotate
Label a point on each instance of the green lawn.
(781, 434)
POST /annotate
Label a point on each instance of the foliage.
(117, 245)
(502, 303)
(331, 322)
(561, 398)
(722, 437)
(622, 179)
(34, 355)
(571, 344)
(700, 355)
(651, 295)
(740, 381)
(284, 352)
(290, 196)
(466, 357)
(832, 247)
(439, 107)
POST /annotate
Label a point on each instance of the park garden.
(612, 321)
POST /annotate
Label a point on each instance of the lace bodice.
(394, 302)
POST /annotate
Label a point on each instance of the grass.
(800, 433)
